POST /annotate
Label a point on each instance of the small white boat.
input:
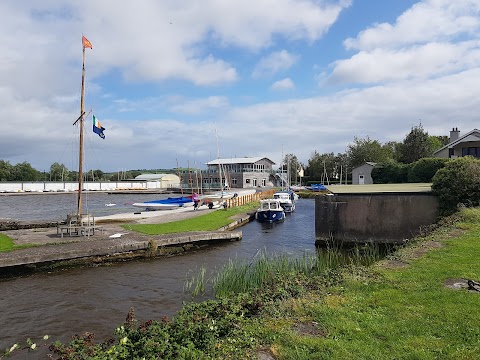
(216, 198)
(270, 211)
(110, 204)
(287, 198)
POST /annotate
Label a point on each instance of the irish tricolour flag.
(97, 128)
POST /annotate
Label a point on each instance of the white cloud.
(284, 84)
(429, 20)
(274, 63)
(432, 38)
(425, 61)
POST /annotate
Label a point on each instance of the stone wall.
(17, 225)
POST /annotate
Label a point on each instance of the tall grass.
(242, 276)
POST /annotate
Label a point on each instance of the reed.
(243, 276)
(196, 285)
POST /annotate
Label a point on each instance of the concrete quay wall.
(104, 249)
(374, 217)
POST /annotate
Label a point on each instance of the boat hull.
(270, 216)
(165, 204)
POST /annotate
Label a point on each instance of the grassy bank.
(399, 308)
(7, 244)
(209, 222)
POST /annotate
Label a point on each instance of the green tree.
(6, 171)
(424, 169)
(59, 172)
(416, 145)
(323, 167)
(363, 150)
(291, 162)
(25, 172)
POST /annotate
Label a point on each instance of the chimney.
(454, 134)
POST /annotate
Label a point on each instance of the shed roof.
(153, 176)
(371, 163)
(242, 160)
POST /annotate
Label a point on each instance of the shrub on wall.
(457, 184)
(424, 169)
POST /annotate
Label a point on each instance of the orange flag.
(86, 43)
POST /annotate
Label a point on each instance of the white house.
(468, 144)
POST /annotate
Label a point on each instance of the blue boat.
(316, 187)
(166, 204)
(270, 211)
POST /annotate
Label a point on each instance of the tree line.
(57, 172)
(326, 167)
(331, 168)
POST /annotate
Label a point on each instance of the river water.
(97, 299)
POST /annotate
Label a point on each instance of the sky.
(186, 81)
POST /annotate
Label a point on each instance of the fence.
(245, 199)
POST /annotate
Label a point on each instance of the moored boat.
(287, 198)
(216, 198)
(166, 204)
(270, 211)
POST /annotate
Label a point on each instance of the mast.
(85, 44)
(180, 177)
(80, 153)
(219, 163)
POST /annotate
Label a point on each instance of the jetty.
(113, 243)
(110, 249)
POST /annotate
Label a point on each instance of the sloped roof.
(152, 176)
(473, 135)
(366, 163)
(242, 160)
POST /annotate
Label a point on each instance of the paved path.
(113, 241)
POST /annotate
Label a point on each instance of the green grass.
(394, 313)
(209, 222)
(6, 243)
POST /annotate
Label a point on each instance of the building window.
(264, 182)
(254, 182)
(471, 151)
(234, 181)
(451, 152)
(247, 181)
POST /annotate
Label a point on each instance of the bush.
(457, 184)
(391, 173)
(424, 169)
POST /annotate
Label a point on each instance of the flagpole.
(80, 155)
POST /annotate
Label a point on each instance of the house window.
(264, 182)
(471, 151)
(234, 181)
(451, 152)
(254, 182)
(247, 181)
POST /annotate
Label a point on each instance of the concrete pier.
(85, 249)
